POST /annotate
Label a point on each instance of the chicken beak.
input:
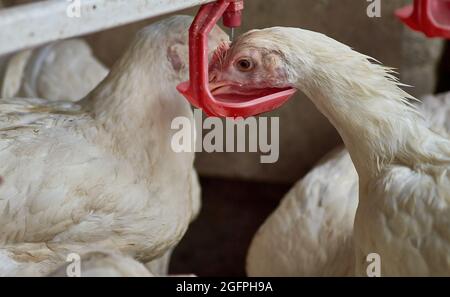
(217, 88)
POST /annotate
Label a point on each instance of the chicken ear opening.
(176, 54)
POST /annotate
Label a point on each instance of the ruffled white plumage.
(311, 232)
(100, 174)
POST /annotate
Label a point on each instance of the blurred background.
(238, 191)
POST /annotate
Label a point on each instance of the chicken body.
(100, 174)
(311, 232)
(403, 166)
(64, 70)
(67, 71)
(65, 186)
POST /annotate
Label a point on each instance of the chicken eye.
(244, 64)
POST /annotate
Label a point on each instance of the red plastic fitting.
(431, 17)
(232, 18)
(196, 90)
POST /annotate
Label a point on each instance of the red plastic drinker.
(432, 17)
(196, 90)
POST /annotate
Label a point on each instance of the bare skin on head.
(246, 70)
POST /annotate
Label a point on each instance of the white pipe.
(37, 23)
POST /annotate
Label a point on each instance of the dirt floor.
(216, 243)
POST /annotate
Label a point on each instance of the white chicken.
(437, 111)
(311, 232)
(403, 211)
(67, 71)
(100, 174)
(64, 70)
